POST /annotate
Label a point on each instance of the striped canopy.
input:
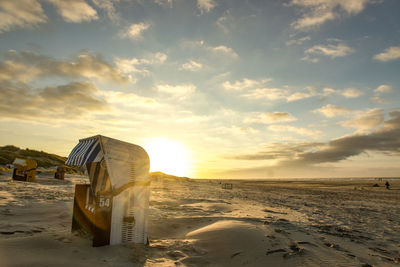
(86, 151)
(123, 163)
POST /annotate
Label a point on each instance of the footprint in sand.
(295, 250)
(306, 243)
(7, 232)
(20, 232)
(176, 254)
(275, 251)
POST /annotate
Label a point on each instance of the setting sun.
(168, 156)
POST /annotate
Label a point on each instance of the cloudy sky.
(248, 89)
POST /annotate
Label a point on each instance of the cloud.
(74, 10)
(339, 50)
(362, 120)
(178, 91)
(270, 155)
(206, 5)
(168, 3)
(216, 50)
(384, 139)
(254, 90)
(232, 131)
(279, 151)
(351, 93)
(185, 116)
(29, 13)
(328, 91)
(89, 66)
(366, 121)
(154, 58)
(391, 53)
(380, 100)
(331, 111)
(135, 31)
(17, 71)
(225, 21)
(269, 118)
(85, 65)
(222, 49)
(384, 88)
(298, 41)
(299, 95)
(20, 14)
(293, 129)
(317, 12)
(192, 65)
(316, 19)
(266, 93)
(130, 66)
(244, 84)
(308, 58)
(129, 99)
(138, 65)
(64, 102)
(109, 9)
(348, 93)
(333, 50)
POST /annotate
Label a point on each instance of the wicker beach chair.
(24, 170)
(113, 208)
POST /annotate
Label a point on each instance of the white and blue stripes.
(87, 150)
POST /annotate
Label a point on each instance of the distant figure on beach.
(387, 185)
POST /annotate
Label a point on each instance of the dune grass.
(45, 160)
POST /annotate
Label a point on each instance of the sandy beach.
(211, 132)
(342, 222)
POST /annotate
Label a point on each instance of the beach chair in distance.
(227, 186)
(24, 170)
(113, 208)
(60, 173)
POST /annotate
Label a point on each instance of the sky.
(212, 88)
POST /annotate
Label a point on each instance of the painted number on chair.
(104, 202)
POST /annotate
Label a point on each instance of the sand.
(197, 223)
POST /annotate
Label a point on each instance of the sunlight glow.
(168, 156)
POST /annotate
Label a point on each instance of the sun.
(168, 156)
